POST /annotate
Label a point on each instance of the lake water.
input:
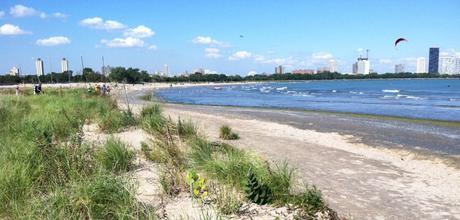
(414, 98)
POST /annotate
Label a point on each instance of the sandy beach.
(365, 172)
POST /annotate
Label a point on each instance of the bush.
(226, 133)
(256, 191)
(116, 157)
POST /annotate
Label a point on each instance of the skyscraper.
(449, 65)
(279, 69)
(421, 65)
(433, 65)
(64, 65)
(166, 70)
(332, 66)
(399, 68)
(362, 66)
(39, 67)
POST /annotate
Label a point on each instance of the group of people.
(98, 89)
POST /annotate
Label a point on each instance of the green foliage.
(114, 120)
(186, 128)
(116, 157)
(308, 203)
(154, 109)
(172, 180)
(226, 133)
(226, 199)
(45, 170)
(198, 185)
(256, 191)
(103, 196)
(130, 75)
(281, 179)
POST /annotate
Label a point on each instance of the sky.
(232, 37)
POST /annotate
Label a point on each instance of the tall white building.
(279, 69)
(362, 66)
(421, 65)
(332, 66)
(14, 71)
(399, 68)
(166, 70)
(64, 65)
(39, 67)
(449, 65)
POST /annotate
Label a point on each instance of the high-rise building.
(14, 71)
(399, 68)
(433, 63)
(332, 66)
(279, 69)
(166, 72)
(303, 71)
(449, 65)
(362, 66)
(39, 67)
(64, 65)
(421, 65)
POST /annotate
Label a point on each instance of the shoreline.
(349, 171)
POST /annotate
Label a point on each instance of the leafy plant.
(256, 191)
(198, 185)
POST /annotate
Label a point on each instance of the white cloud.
(240, 55)
(152, 47)
(212, 53)
(23, 11)
(53, 41)
(59, 15)
(209, 41)
(99, 23)
(252, 73)
(2, 13)
(321, 56)
(124, 42)
(9, 29)
(140, 31)
(385, 61)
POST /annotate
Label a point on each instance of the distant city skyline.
(235, 37)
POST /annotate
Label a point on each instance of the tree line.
(134, 75)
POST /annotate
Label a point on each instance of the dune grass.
(45, 170)
(226, 133)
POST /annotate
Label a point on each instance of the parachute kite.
(399, 40)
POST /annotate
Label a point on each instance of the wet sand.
(367, 168)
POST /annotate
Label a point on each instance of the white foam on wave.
(390, 90)
(281, 88)
(334, 91)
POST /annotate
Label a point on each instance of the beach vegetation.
(227, 133)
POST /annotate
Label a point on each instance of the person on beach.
(39, 89)
(17, 90)
(104, 89)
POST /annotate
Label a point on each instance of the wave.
(390, 90)
(281, 88)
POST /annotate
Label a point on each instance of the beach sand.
(360, 179)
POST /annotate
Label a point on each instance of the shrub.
(281, 179)
(308, 203)
(226, 133)
(172, 180)
(116, 157)
(256, 191)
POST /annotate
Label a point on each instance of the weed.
(186, 128)
(226, 133)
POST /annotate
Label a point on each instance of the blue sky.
(206, 34)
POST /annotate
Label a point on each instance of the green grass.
(116, 157)
(226, 133)
(45, 170)
(186, 129)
